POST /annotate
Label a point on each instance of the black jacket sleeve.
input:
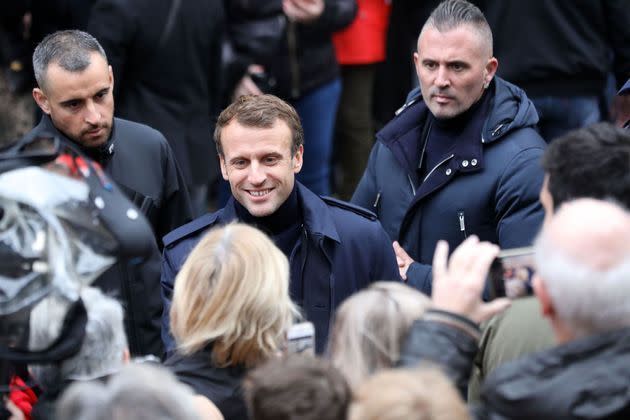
(445, 339)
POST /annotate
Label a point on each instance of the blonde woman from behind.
(231, 310)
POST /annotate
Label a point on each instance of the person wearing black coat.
(78, 106)
(166, 58)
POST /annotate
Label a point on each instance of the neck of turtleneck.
(446, 133)
(459, 122)
(287, 216)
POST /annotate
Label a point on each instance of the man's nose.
(442, 78)
(92, 114)
(256, 174)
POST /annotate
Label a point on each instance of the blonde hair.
(233, 292)
(370, 327)
(423, 394)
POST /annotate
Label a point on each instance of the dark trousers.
(354, 135)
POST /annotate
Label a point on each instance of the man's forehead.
(236, 134)
(92, 79)
(465, 37)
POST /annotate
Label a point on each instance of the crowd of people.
(123, 298)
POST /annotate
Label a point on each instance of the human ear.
(42, 100)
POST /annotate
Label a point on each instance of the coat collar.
(316, 215)
(509, 109)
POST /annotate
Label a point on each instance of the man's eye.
(457, 67)
(271, 160)
(239, 164)
(430, 66)
(72, 105)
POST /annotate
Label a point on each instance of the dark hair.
(297, 387)
(451, 14)
(260, 111)
(70, 49)
(591, 162)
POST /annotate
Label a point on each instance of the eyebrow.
(68, 101)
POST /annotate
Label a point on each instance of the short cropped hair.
(371, 326)
(591, 162)
(70, 49)
(260, 111)
(233, 292)
(296, 387)
(451, 14)
(103, 346)
(141, 392)
(423, 394)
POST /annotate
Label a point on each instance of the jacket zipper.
(462, 223)
(375, 205)
(498, 127)
(437, 166)
(293, 61)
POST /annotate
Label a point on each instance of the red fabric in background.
(363, 42)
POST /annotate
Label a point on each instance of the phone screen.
(511, 273)
(301, 338)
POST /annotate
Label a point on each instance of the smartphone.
(301, 338)
(511, 273)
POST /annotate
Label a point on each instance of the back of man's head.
(398, 394)
(297, 387)
(104, 345)
(589, 162)
(70, 49)
(583, 265)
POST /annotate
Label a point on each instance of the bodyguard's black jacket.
(143, 166)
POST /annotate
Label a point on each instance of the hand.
(246, 85)
(14, 410)
(620, 109)
(303, 11)
(403, 259)
(457, 288)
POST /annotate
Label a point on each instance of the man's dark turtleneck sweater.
(445, 133)
(283, 226)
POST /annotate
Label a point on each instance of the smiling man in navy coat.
(333, 247)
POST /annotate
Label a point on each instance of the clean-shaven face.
(258, 164)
